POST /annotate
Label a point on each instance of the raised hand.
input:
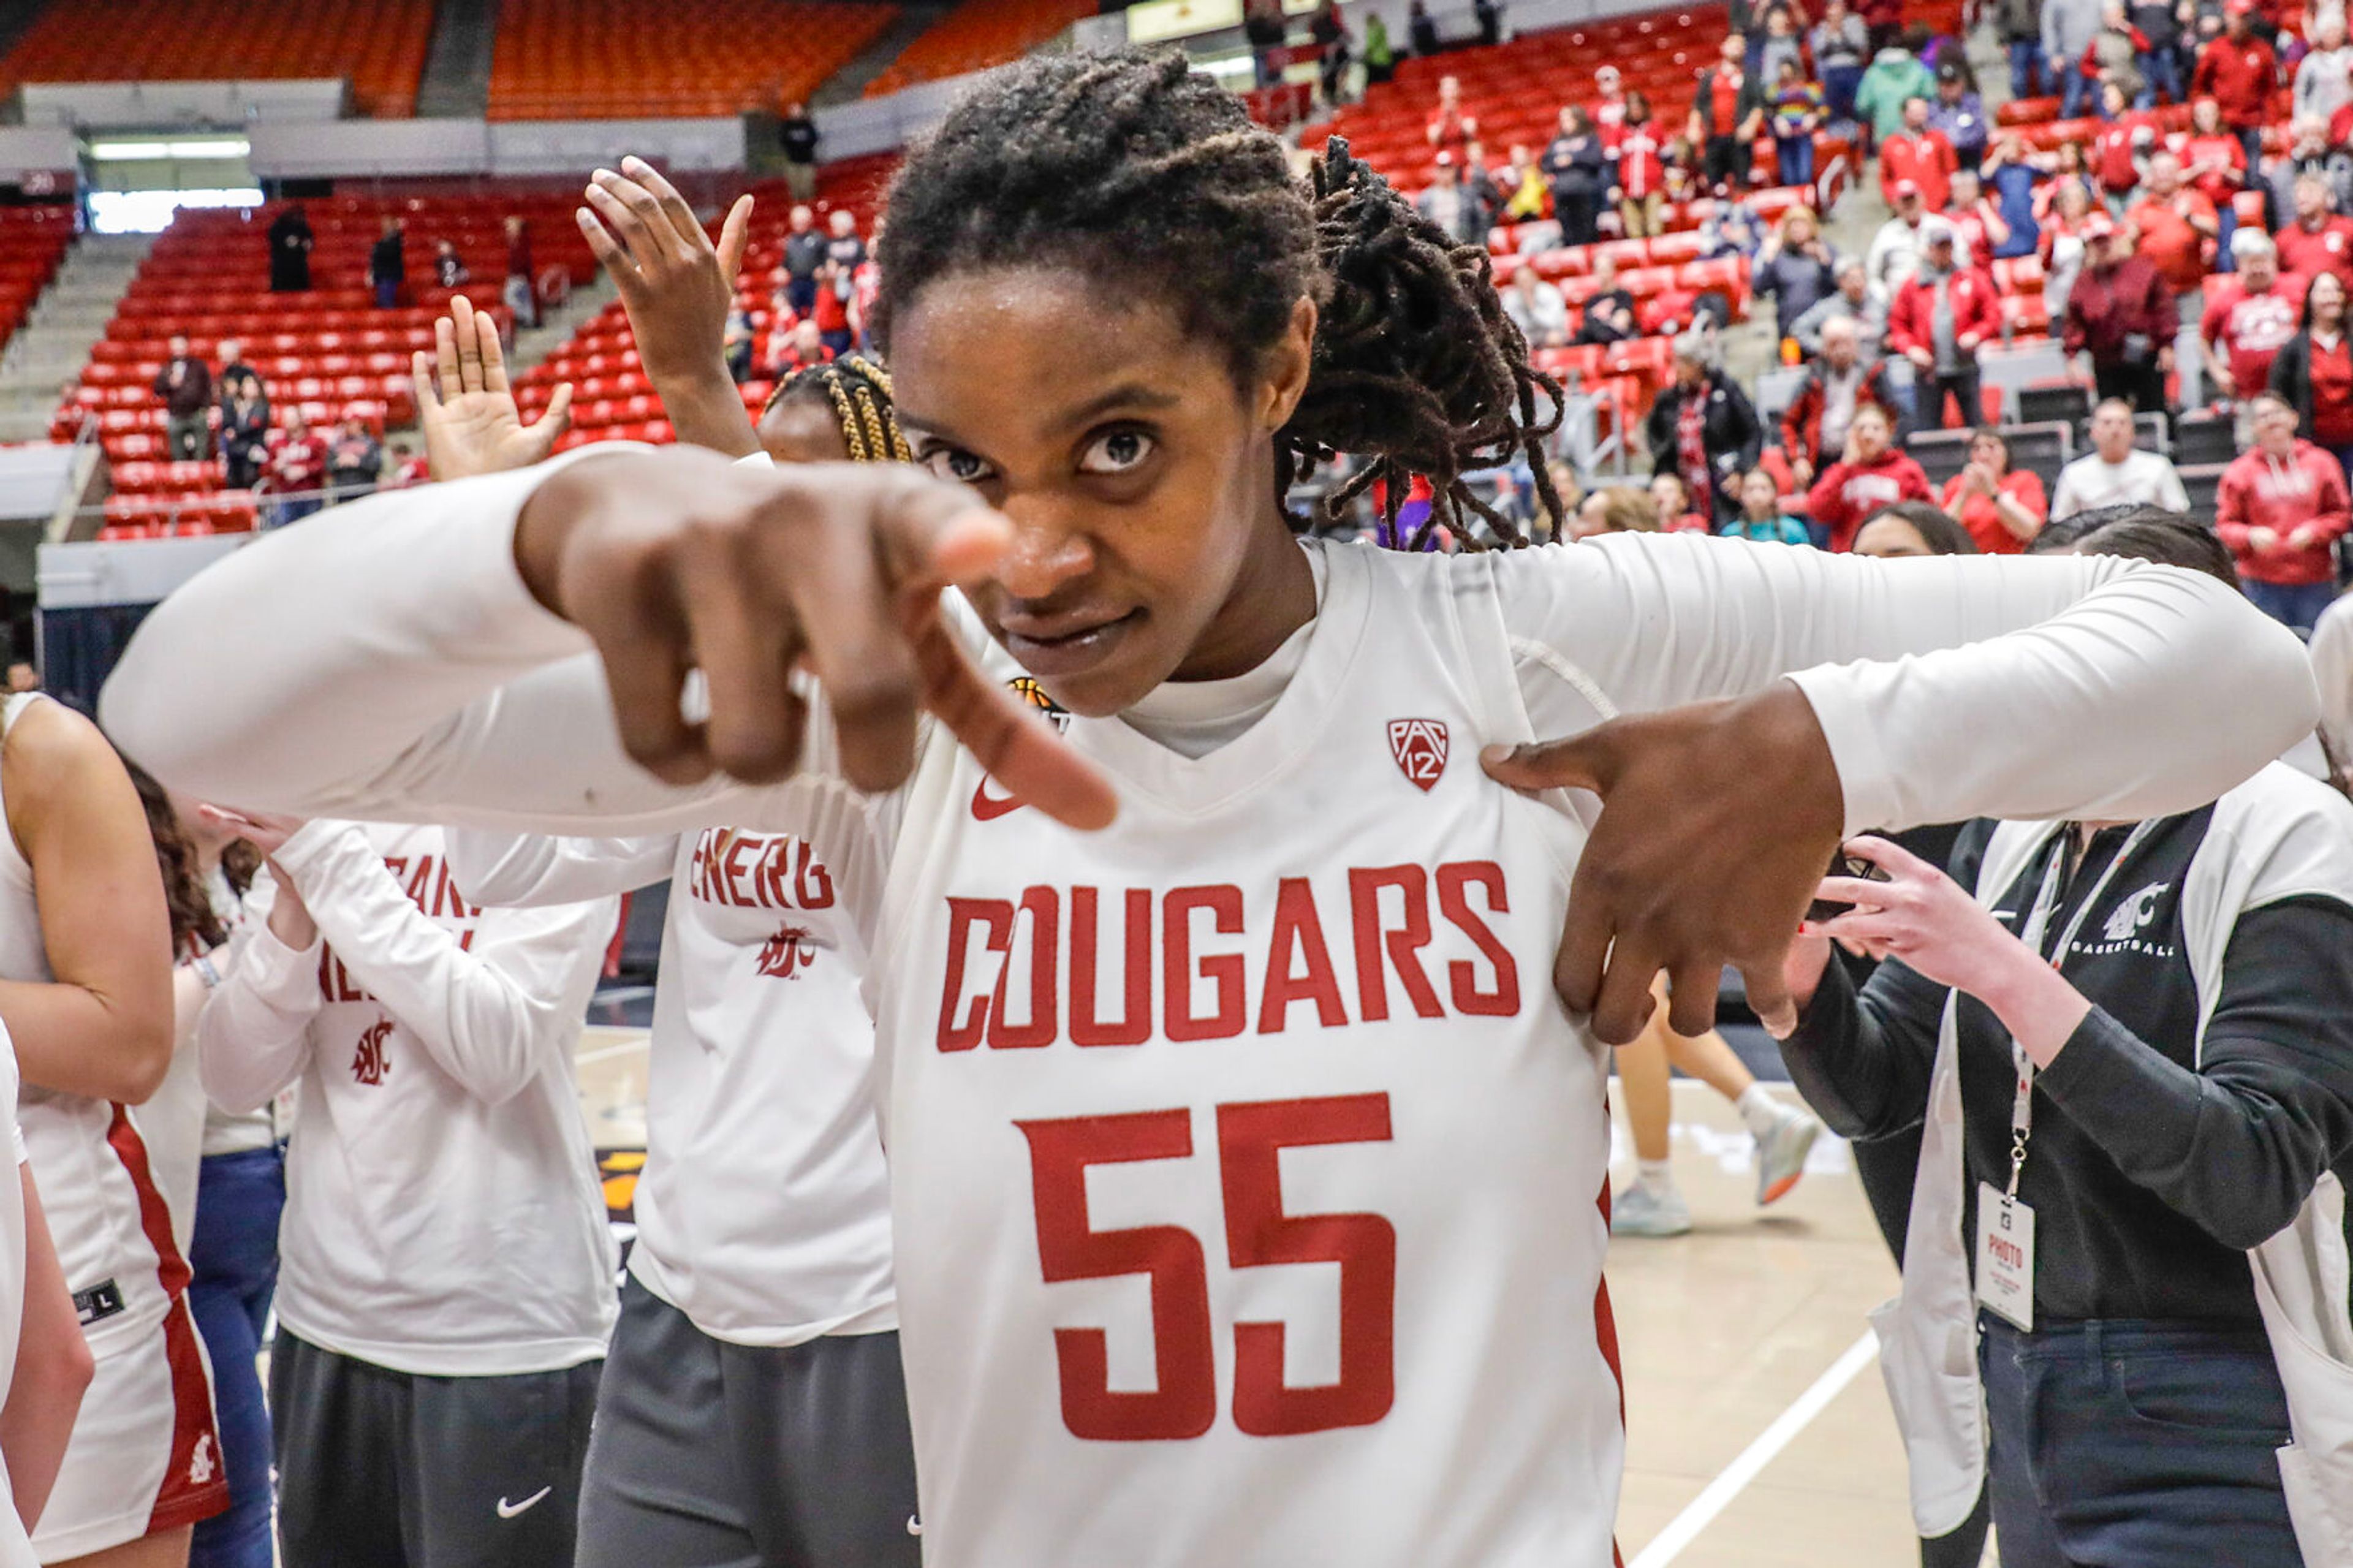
(466, 408)
(1717, 820)
(678, 560)
(677, 287)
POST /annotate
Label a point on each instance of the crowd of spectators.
(822, 294)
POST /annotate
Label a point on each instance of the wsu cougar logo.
(2134, 913)
(787, 953)
(1419, 747)
(200, 1462)
(368, 1063)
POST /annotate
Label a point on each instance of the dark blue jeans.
(2073, 88)
(2027, 75)
(2147, 1444)
(2297, 605)
(1839, 84)
(2161, 71)
(233, 1250)
(1796, 156)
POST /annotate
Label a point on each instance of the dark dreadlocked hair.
(858, 391)
(1134, 169)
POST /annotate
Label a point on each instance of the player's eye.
(1115, 452)
(955, 464)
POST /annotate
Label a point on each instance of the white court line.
(1680, 1530)
(618, 1049)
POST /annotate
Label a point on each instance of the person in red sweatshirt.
(2251, 313)
(1920, 155)
(2125, 137)
(2239, 71)
(2173, 225)
(1939, 319)
(2319, 240)
(2280, 508)
(2121, 312)
(298, 468)
(1870, 475)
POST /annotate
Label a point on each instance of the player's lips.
(1069, 643)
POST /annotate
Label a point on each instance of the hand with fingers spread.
(677, 287)
(678, 560)
(1717, 820)
(466, 408)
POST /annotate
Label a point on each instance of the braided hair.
(1145, 174)
(858, 391)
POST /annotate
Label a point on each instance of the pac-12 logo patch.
(1419, 747)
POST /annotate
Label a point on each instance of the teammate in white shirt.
(446, 1284)
(752, 1409)
(1284, 1001)
(2116, 472)
(86, 991)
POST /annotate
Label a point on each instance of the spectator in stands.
(2158, 22)
(2250, 315)
(2067, 29)
(1526, 193)
(1577, 165)
(1957, 114)
(1452, 204)
(522, 287)
(1731, 228)
(2114, 472)
(1870, 473)
(1797, 114)
(805, 349)
(1420, 31)
(1704, 429)
(1796, 266)
(1780, 42)
(408, 467)
(1895, 77)
(796, 137)
(2313, 152)
(1380, 55)
(1610, 314)
(2064, 246)
(1980, 232)
(1761, 517)
(2121, 314)
(354, 461)
(1940, 317)
(298, 466)
(1727, 115)
(2113, 54)
(1615, 508)
(2018, 24)
(1841, 44)
(1266, 31)
(2174, 224)
(1329, 29)
(2238, 70)
(1907, 529)
(2213, 161)
(2002, 507)
(2280, 508)
(1489, 15)
(2011, 178)
(1852, 302)
(1640, 189)
(1608, 110)
(21, 678)
(243, 431)
(449, 268)
(829, 318)
(2125, 138)
(1538, 308)
(2318, 241)
(2314, 371)
(1837, 384)
(289, 251)
(803, 254)
(1450, 129)
(1676, 511)
(1896, 249)
(388, 263)
(233, 367)
(737, 341)
(2323, 80)
(185, 386)
(2069, 165)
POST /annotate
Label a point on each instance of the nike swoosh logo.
(915, 1525)
(508, 1509)
(987, 807)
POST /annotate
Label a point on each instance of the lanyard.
(2038, 919)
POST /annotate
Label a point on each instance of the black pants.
(379, 1468)
(1962, 386)
(1726, 161)
(2141, 385)
(1575, 207)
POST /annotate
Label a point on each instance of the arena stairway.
(72, 314)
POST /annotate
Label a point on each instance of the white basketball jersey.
(1249, 1176)
(107, 1214)
(15, 1550)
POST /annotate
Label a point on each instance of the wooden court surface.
(1733, 1340)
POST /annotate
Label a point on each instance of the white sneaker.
(1637, 1211)
(1781, 1155)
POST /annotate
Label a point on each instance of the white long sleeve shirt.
(443, 1213)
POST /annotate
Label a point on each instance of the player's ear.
(1284, 367)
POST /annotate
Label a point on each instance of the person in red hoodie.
(2173, 225)
(1920, 155)
(2251, 313)
(2239, 71)
(2280, 508)
(2121, 142)
(1868, 476)
(298, 468)
(1940, 317)
(2319, 240)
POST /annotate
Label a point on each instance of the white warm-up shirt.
(2143, 478)
(443, 1214)
(763, 1209)
(1246, 1175)
(15, 1549)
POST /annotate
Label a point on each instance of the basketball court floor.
(1757, 1429)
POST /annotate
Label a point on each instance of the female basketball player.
(45, 1363)
(86, 992)
(1285, 1004)
(752, 1409)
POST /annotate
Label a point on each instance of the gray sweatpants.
(712, 1455)
(379, 1468)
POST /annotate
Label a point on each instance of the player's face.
(1138, 476)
